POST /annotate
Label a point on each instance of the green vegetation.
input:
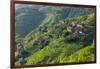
(50, 39)
(86, 54)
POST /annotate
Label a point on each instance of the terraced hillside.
(48, 37)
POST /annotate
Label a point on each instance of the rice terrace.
(48, 34)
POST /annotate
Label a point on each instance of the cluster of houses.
(20, 50)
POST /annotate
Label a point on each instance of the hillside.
(29, 17)
(51, 39)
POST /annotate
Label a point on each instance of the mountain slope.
(60, 49)
(48, 39)
(31, 16)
